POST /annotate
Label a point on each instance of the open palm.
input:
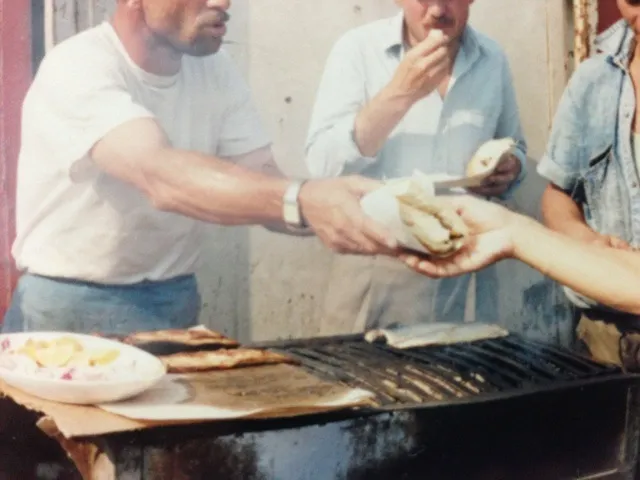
(490, 240)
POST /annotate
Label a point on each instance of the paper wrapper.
(254, 392)
(383, 206)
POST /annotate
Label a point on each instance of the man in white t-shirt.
(135, 133)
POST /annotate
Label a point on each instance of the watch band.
(291, 213)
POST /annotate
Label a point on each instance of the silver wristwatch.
(291, 212)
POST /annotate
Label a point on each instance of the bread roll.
(436, 225)
(486, 158)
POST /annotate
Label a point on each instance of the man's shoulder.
(596, 69)
(370, 32)
(79, 53)
(489, 46)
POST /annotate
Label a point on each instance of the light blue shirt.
(590, 153)
(437, 135)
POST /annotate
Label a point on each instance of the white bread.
(486, 158)
(436, 225)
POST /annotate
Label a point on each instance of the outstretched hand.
(490, 240)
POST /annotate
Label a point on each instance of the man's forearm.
(377, 119)
(213, 190)
(561, 214)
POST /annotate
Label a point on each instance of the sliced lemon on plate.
(104, 357)
(54, 356)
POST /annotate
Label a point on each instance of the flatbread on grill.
(223, 359)
(165, 342)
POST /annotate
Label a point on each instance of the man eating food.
(420, 91)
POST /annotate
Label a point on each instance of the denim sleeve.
(330, 148)
(561, 161)
(509, 126)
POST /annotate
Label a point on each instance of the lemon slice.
(79, 359)
(104, 357)
(54, 356)
(77, 346)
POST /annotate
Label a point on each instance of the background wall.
(258, 285)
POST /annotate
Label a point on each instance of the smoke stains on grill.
(388, 436)
(224, 458)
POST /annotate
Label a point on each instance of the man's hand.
(332, 208)
(506, 172)
(423, 67)
(491, 240)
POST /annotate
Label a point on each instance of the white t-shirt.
(73, 220)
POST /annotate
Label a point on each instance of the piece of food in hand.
(435, 224)
(486, 158)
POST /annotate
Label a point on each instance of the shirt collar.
(617, 42)
(392, 38)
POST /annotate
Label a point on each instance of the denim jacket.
(589, 153)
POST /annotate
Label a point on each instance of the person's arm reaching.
(218, 191)
(607, 275)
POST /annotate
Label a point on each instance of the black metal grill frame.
(433, 376)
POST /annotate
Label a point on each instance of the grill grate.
(447, 373)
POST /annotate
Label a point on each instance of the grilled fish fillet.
(435, 334)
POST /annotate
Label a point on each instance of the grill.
(501, 409)
(442, 375)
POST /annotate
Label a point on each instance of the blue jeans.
(53, 304)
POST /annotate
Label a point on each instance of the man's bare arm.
(218, 191)
(263, 161)
(186, 182)
(420, 72)
(562, 214)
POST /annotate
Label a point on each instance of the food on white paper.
(418, 219)
(436, 225)
(435, 334)
(487, 157)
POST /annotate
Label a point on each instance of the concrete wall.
(258, 285)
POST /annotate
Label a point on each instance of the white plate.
(133, 372)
